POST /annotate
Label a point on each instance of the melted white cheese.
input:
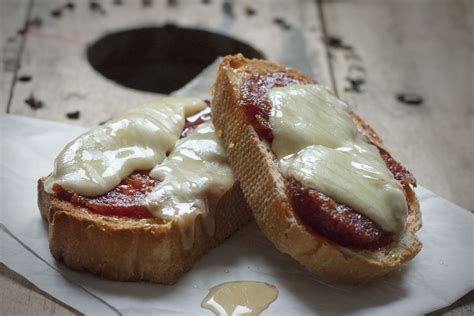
(193, 177)
(318, 144)
(98, 160)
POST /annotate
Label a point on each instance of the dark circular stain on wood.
(161, 59)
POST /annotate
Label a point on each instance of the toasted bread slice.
(126, 249)
(264, 187)
(142, 228)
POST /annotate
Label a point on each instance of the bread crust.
(264, 187)
(125, 249)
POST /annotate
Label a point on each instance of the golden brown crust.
(133, 250)
(264, 187)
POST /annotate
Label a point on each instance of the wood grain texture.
(13, 16)
(422, 47)
(462, 307)
(20, 297)
(65, 82)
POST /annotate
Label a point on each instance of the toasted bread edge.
(255, 166)
(125, 249)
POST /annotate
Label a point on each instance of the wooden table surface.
(368, 51)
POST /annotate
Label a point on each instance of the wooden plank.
(424, 47)
(20, 297)
(464, 306)
(64, 81)
(13, 15)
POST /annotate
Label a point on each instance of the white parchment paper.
(438, 276)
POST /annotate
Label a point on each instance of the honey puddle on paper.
(240, 298)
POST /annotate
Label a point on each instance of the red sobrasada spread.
(125, 200)
(325, 216)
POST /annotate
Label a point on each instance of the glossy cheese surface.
(98, 160)
(317, 143)
(191, 180)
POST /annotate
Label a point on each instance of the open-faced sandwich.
(319, 181)
(143, 196)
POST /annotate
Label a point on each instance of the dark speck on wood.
(36, 22)
(70, 5)
(228, 8)
(118, 2)
(56, 12)
(410, 98)
(103, 122)
(73, 115)
(356, 84)
(250, 11)
(24, 78)
(206, 1)
(282, 23)
(96, 6)
(336, 42)
(147, 3)
(33, 102)
(357, 78)
(172, 3)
